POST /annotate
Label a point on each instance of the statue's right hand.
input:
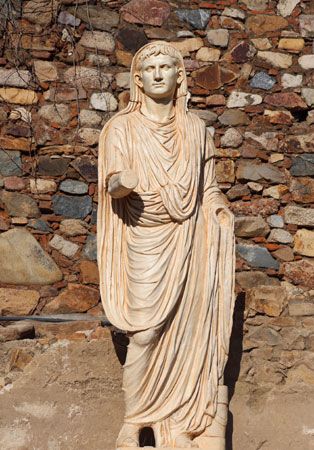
(122, 183)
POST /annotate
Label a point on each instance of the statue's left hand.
(224, 216)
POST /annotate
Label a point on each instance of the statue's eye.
(149, 69)
(165, 66)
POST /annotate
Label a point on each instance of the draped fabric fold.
(167, 264)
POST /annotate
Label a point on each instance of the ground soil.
(67, 395)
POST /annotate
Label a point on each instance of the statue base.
(212, 443)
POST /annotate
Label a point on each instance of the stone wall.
(64, 71)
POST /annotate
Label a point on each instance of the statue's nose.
(158, 75)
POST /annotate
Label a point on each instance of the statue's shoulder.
(195, 120)
(119, 121)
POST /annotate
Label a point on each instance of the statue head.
(158, 72)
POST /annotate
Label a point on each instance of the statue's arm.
(120, 180)
(213, 198)
(122, 183)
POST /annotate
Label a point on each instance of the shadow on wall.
(232, 370)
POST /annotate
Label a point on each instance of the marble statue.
(166, 259)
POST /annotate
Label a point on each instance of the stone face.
(52, 167)
(242, 52)
(275, 59)
(42, 186)
(284, 254)
(213, 77)
(299, 272)
(275, 221)
(276, 191)
(65, 247)
(150, 12)
(301, 307)
(17, 302)
(14, 77)
(219, 37)
(289, 100)
(299, 216)
(123, 80)
(10, 163)
(307, 25)
(302, 190)
(303, 165)
(209, 117)
(65, 18)
(97, 17)
(86, 78)
(232, 138)
(197, 18)
(234, 13)
(14, 183)
(39, 225)
(16, 331)
(250, 226)
(262, 206)
(73, 227)
(281, 236)
(86, 167)
(251, 171)
(73, 187)
(225, 171)
(257, 256)
(57, 113)
(304, 242)
(289, 81)
(207, 54)
(262, 24)
(98, 40)
(20, 205)
(103, 101)
(234, 118)
(45, 70)
(40, 11)
(76, 298)
(238, 191)
(291, 45)
(23, 261)
(90, 248)
(188, 45)
(269, 300)
(262, 80)
(266, 335)
(89, 136)
(89, 272)
(89, 118)
(72, 206)
(18, 96)
(241, 99)
(258, 5)
(261, 43)
(251, 279)
(285, 7)
(308, 95)
(300, 144)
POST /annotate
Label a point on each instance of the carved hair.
(155, 50)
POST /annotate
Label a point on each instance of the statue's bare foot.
(183, 440)
(128, 436)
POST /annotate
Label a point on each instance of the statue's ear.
(138, 80)
(180, 75)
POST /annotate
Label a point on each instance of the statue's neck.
(158, 110)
